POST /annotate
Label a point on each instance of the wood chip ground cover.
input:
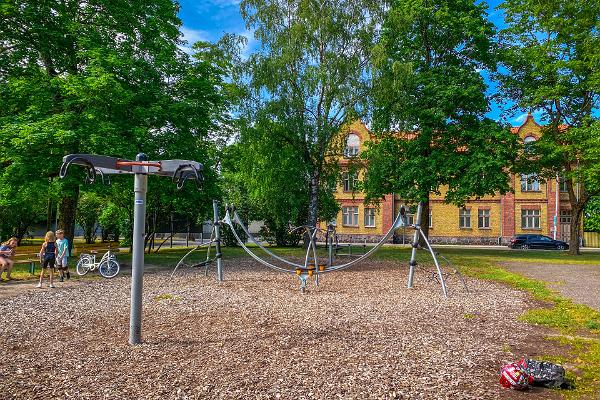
(359, 335)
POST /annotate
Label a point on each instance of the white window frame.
(351, 150)
(464, 218)
(349, 181)
(350, 216)
(528, 184)
(369, 217)
(531, 218)
(484, 218)
(527, 140)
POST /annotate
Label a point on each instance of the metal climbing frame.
(215, 240)
(178, 170)
(312, 267)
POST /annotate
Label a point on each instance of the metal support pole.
(171, 230)
(415, 246)
(437, 264)
(218, 254)
(330, 234)
(137, 263)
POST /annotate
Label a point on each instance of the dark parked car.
(531, 241)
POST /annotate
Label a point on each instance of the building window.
(565, 216)
(530, 183)
(464, 218)
(562, 184)
(527, 142)
(369, 217)
(349, 181)
(530, 219)
(430, 218)
(350, 216)
(483, 218)
(352, 145)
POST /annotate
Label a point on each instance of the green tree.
(104, 77)
(429, 101)
(21, 206)
(552, 65)
(309, 77)
(89, 208)
(591, 223)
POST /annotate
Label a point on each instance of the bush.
(227, 237)
(280, 235)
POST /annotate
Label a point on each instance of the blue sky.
(209, 19)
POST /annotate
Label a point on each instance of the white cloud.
(251, 43)
(208, 5)
(519, 119)
(192, 36)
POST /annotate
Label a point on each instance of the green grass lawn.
(576, 325)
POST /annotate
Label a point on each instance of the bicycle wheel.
(84, 264)
(109, 268)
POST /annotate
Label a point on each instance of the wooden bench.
(28, 259)
(31, 259)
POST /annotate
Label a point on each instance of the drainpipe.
(501, 219)
(556, 206)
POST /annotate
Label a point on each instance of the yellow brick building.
(532, 207)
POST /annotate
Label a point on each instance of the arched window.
(527, 142)
(352, 145)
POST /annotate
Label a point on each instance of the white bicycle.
(108, 266)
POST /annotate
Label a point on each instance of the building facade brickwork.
(532, 206)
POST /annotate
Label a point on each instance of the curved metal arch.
(228, 221)
(238, 221)
(198, 247)
(399, 222)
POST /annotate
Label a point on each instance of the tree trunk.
(68, 208)
(49, 214)
(424, 222)
(576, 214)
(313, 205)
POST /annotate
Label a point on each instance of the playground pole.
(218, 254)
(415, 246)
(137, 263)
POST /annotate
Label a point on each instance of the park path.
(579, 282)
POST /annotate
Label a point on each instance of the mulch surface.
(359, 335)
(579, 282)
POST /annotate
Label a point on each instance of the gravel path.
(578, 282)
(360, 335)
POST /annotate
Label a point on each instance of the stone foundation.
(407, 239)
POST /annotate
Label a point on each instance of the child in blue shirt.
(62, 258)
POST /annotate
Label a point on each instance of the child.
(48, 254)
(7, 250)
(62, 259)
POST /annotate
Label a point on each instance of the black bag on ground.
(546, 374)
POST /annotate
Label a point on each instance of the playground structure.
(178, 170)
(313, 265)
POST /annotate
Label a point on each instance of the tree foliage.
(89, 208)
(308, 79)
(104, 77)
(552, 62)
(592, 215)
(428, 106)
